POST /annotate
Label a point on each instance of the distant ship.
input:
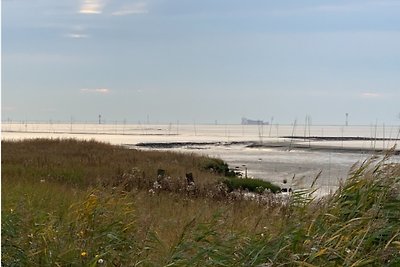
(246, 121)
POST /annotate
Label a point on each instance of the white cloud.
(370, 95)
(102, 91)
(77, 35)
(133, 9)
(91, 7)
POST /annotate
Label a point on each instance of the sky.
(203, 61)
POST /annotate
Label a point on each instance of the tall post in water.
(277, 130)
(194, 127)
(260, 131)
(123, 127)
(347, 119)
(376, 129)
(342, 135)
(372, 135)
(98, 128)
(309, 131)
(270, 126)
(383, 135)
(291, 140)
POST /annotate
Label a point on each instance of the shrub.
(217, 166)
(253, 185)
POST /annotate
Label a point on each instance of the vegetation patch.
(252, 185)
(217, 166)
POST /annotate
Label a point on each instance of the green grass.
(70, 203)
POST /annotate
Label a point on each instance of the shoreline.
(285, 145)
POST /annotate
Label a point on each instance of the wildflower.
(84, 254)
(11, 210)
(156, 185)
(100, 261)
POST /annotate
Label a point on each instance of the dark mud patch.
(191, 145)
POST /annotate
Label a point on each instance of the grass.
(73, 203)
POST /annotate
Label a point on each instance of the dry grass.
(89, 163)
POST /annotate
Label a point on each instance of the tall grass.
(62, 207)
(48, 224)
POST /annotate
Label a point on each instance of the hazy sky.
(201, 61)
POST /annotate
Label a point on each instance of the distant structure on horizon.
(246, 121)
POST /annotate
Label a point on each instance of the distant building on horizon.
(246, 121)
